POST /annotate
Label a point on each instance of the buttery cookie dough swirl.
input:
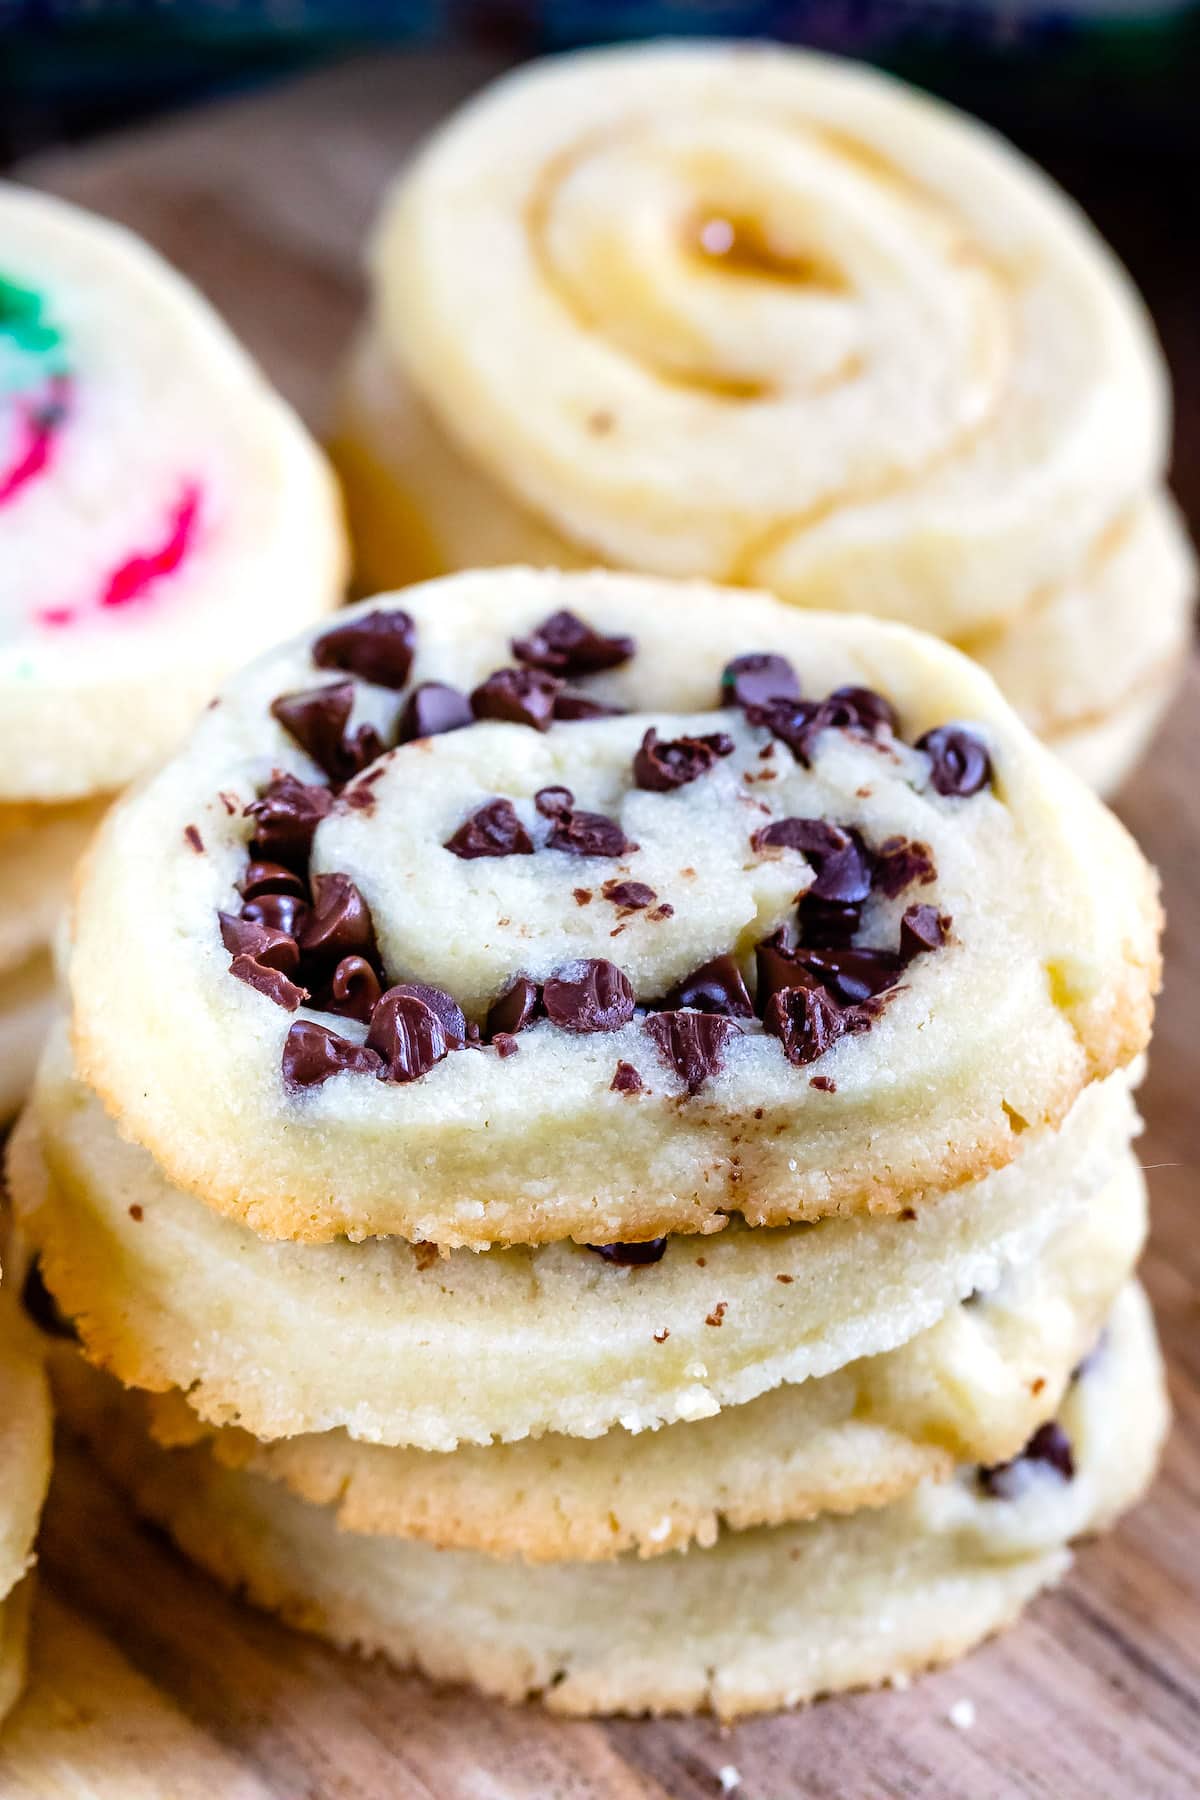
(757, 316)
(485, 918)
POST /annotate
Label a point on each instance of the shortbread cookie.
(162, 512)
(759, 316)
(397, 1345)
(39, 847)
(763, 1619)
(24, 1475)
(27, 1003)
(973, 1388)
(730, 951)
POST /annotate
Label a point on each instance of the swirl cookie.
(396, 1345)
(764, 1618)
(24, 1475)
(543, 906)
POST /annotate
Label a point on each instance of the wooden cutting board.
(152, 1685)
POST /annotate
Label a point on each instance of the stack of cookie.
(592, 1152)
(764, 317)
(24, 1476)
(162, 516)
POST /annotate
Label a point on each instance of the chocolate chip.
(589, 996)
(923, 928)
(271, 878)
(853, 975)
(825, 1084)
(663, 764)
(312, 1053)
(272, 949)
(570, 708)
(899, 863)
(873, 712)
(587, 834)
(633, 894)
(806, 1021)
(41, 1306)
(432, 709)
(564, 645)
(777, 968)
(492, 830)
(632, 1256)
(285, 817)
(517, 696)
(827, 923)
(626, 1080)
(354, 990)
(550, 801)
(715, 987)
(959, 764)
(843, 868)
(271, 982)
(517, 1007)
(281, 912)
(379, 647)
(445, 1008)
(339, 923)
(408, 1034)
(1049, 1445)
(505, 1045)
(757, 678)
(799, 723)
(318, 720)
(692, 1043)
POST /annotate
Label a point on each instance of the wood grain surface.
(149, 1685)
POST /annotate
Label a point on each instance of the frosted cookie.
(162, 512)
(753, 315)
(24, 1475)
(763, 1619)
(545, 906)
(397, 1345)
(973, 1388)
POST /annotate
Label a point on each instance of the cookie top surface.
(162, 513)
(763, 316)
(811, 935)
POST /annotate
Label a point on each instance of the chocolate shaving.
(632, 1256)
(589, 996)
(632, 894)
(517, 697)
(959, 764)
(587, 834)
(318, 719)
(1049, 1445)
(286, 816)
(270, 982)
(661, 765)
(899, 863)
(758, 678)
(272, 949)
(715, 987)
(517, 1007)
(379, 647)
(432, 709)
(492, 830)
(692, 1043)
(565, 645)
(312, 1053)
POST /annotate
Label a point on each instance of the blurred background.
(1104, 93)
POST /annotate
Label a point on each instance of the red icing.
(132, 579)
(40, 422)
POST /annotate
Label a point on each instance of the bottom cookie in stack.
(24, 1474)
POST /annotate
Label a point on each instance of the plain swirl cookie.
(531, 906)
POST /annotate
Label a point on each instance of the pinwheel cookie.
(764, 1618)
(162, 515)
(757, 316)
(24, 1474)
(537, 906)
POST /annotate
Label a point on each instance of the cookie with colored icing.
(162, 512)
(24, 1475)
(395, 1344)
(530, 906)
(764, 1618)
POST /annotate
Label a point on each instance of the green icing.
(30, 332)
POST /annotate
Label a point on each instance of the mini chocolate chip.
(379, 647)
(825, 1084)
(505, 1045)
(626, 1080)
(898, 863)
(692, 1043)
(517, 1007)
(273, 949)
(843, 868)
(959, 764)
(873, 711)
(518, 697)
(564, 645)
(663, 764)
(806, 1022)
(571, 709)
(715, 987)
(632, 1256)
(270, 982)
(633, 894)
(285, 816)
(408, 1035)
(444, 1006)
(312, 1053)
(1049, 1445)
(318, 718)
(853, 975)
(41, 1306)
(923, 928)
(339, 923)
(757, 678)
(827, 924)
(587, 834)
(281, 912)
(354, 989)
(195, 841)
(431, 709)
(588, 996)
(271, 878)
(492, 830)
(550, 801)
